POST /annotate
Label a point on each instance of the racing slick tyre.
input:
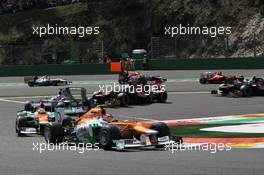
(236, 94)
(41, 130)
(246, 91)
(28, 107)
(67, 122)
(54, 133)
(124, 99)
(163, 130)
(202, 80)
(55, 83)
(214, 92)
(107, 135)
(20, 122)
(121, 81)
(162, 97)
(149, 99)
(30, 84)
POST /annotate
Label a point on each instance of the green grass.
(193, 131)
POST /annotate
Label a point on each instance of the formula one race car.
(47, 81)
(218, 78)
(137, 78)
(98, 127)
(134, 88)
(254, 87)
(36, 115)
(111, 99)
(32, 122)
(130, 96)
(70, 96)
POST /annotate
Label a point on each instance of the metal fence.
(60, 52)
(52, 53)
(200, 46)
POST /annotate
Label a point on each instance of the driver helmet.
(41, 105)
(98, 111)
(41, 111)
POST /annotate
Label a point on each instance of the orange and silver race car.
(97, 127)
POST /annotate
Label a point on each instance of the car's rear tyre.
(66, 122)
(54, 133)
(28, 107)
(124, 99)
(202, 80)
(107, 135)
(30, 84)
(55, 83)
(41, 130)
(246, 91)
(237, 94)
(213, 92)
(149, 99)
(162, 97)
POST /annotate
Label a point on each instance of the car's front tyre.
(54, 133)
(107, 135)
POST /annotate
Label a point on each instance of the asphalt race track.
(18, 157)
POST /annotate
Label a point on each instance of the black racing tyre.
(55, 83)
(21, 122)
(54, 133)
(66, 122)
(213, 92)
(121, 81)
(162, 128)
(30, 84)
(18, 126)
(162, 97)
(124, 99)
(202, 80)
(107, 135)
(236, 94)
(246, 91)
(28, 107)
(41, 130)
(149, 99)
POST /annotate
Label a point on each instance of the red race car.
(218, 78)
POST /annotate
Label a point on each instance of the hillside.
(125, 25)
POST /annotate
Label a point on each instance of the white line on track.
(172, 93)
(9, 99)
(12, 101)
(194, 92)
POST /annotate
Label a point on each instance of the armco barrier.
(207, 64)
(75, 69)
